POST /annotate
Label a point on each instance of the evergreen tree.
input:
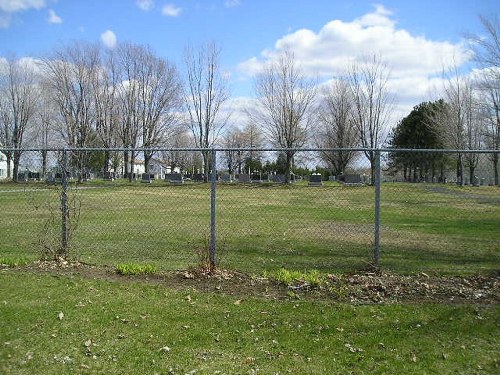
(419, 131)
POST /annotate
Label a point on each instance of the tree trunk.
(288, 167)
(17, 156)
(8, 154)
(106, 161)
(495, 168)
(125, 164)
(147, 158)
(131, 173)
(460, 171)
(206, 166)
(44, 163)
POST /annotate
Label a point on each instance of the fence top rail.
(226, 149)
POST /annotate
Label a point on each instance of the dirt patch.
(355, 288)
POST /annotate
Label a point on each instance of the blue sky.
(417, 38)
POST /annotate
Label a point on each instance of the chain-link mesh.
(437, 213)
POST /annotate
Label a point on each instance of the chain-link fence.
(408, 210)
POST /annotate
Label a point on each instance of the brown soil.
(356, 288)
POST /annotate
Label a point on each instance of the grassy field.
(63, 324)
(71, 322)
(430, 228)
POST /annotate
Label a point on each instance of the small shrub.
(135, 269)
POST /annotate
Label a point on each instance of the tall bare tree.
(44, 133)
(70, 73)
(489, 90)
(105, 91)
(160, 99)
(337, 128)
(206, 93)
(459, 123)
(233, 140)
(18, 103)
(236, 139)
(486, 48)
(128, 103)
(372, 103)
(285, 99)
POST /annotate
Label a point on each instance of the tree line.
(83, 95)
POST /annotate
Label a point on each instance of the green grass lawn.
(53, 324)
(65, 324)
(425, 227)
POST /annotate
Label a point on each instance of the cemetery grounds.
(290, 296)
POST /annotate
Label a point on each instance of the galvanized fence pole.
(376, 241)
(64, 203)
(213, 196)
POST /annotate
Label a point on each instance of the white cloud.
(170, 10)
(416, 62)
(53, 17)
(232, 3)
(338, 43)
(145, 5)
(108, 38)
(10, 7)
(13, 6)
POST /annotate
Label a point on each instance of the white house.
(3, 166)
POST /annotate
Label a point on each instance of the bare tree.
(486, 50)
(160, 98)
(105, 90)
(372, 103)
(234, 140)
(249, 137)
(458, 122)
(18, 103)
(179, 159)
(128, 103)
(285, 97)
(44, 131)
(474, 125)
(206, 92)
(337, 128)
(70, 73)
(489, 90)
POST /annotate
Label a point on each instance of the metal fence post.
(213, 233)
(64, 204)
(376, 241)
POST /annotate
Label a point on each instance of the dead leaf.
(238, 302)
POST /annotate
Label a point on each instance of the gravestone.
(315, 180)
(58, 178)
(256, 178)
(352, 179)
(35, 176)
(49, 179)
(22, 176)
(109, 176)
(279, 178)
(244, 178)
(147, 178)
(198, 177)
(174, 178)
(226, 177)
